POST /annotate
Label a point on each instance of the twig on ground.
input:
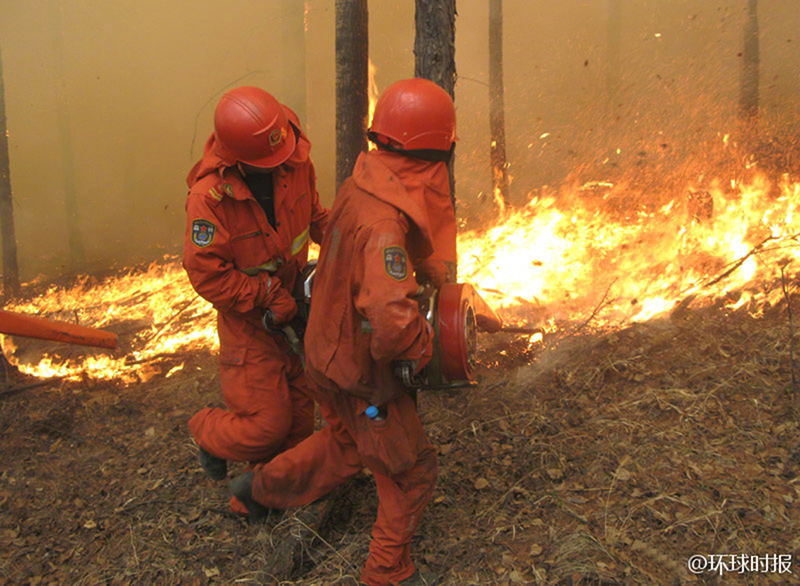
(157, 357)
(166, 324)
(596, 310)
(42, 383)
(740, 261)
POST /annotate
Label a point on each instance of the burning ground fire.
(151, 301)
(584, 249)
(586, 252)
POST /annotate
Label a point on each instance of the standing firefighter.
(392, 227)
(251, 208)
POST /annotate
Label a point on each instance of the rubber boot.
(420, 579)
(242, 489)
(216, 468)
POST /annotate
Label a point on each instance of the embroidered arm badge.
(395, 261)
(203, 232)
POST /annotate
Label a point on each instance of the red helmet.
(417, 114)
(251, 127)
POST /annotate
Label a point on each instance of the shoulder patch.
(203, 232)
(395, 261)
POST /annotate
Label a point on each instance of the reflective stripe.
(215, 194)
(270, 266)
(300, 241)
(276, 263)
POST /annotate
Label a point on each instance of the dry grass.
(608, 458)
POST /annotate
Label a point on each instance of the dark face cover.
(431, 155)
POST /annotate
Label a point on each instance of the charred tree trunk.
(435, 50)
(352, 78)
(497, 117)
(10, 267)
(749, 96)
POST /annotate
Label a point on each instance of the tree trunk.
(748, 99)
(435, 50)
(352, 78)
(497, 124)
(10, 267)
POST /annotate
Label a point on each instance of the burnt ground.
(600, 458)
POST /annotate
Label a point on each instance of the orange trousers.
(396, 450)
(268, 405)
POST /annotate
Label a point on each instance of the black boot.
(242, 489)
(216, 468)
(420, 579)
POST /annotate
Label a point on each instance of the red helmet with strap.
(416, 114)
(251, 127)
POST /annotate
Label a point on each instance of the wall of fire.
(112, 101)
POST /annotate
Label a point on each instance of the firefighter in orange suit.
(392, 227)
(251, 209)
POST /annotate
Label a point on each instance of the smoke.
(110, 103)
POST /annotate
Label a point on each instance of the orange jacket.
(230, 248)
(363, 314)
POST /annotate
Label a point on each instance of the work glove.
(435, 271)
(281, 306)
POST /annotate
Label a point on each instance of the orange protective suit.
(237, 261)
(363, 317)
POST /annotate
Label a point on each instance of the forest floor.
(598, 458)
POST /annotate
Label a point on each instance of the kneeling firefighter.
(392, 227)
(251, 208)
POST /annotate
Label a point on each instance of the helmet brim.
(278, 157)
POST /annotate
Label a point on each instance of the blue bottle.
(375, 413)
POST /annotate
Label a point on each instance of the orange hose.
(38, 327)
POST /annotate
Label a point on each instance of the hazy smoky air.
(109, 103)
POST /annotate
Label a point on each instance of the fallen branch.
(294, 535)
(516, 330)
(156, 357)
(686, 301)
(42, 383)
(740, 261)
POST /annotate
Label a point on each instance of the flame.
(598, 251)
(176, 319)
(372, 93)
(574, 253)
